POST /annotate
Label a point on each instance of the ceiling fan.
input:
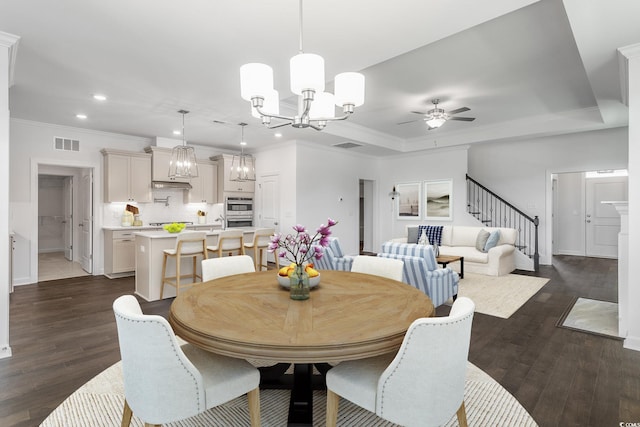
(436, 117)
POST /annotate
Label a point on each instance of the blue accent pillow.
(434, 233)
(494, 236)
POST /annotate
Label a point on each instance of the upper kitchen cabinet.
(204, 187)
(224, 182)
(127, 176)
(161, 157)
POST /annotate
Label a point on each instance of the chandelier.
(315, 106)
(183, 158)
(242, 166)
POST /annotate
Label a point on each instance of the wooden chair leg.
(462, 415)
(333, 400)
(126, 415)
(164, 271)
(193, 275)
(254, 406)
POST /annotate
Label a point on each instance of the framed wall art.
(438, 200)
(409, 201)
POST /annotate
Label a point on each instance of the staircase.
(493, 211)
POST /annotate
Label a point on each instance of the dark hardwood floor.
(63, 333)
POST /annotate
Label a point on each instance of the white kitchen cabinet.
(204, 187)
(127, 176)
(161, 158)
(119, 253)
(224, 173)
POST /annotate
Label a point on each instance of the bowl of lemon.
(174, 227)
(285, 272)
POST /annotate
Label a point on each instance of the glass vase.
(299, 284)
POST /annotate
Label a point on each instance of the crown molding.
(624, 55)
(10, 42)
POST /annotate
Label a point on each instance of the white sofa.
(461, 241)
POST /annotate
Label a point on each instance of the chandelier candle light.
(299, 249)
(315, 106)
(183, 158)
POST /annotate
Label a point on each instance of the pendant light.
(242, 165)
(183, 162)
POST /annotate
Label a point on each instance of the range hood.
(170, 185)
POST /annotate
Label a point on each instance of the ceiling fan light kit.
(315, 106)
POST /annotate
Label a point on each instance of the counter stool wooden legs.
(188, 244)
(261, 241)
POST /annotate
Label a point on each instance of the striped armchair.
(422, 272)
(333, 258)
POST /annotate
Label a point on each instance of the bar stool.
(261, 240)
(188, 244)
(229, 241)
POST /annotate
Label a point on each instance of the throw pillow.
(412, 234)
(494, 236)
(481, 240)
(434, 233)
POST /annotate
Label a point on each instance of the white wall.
(442, 164)
(328, 186)
(520, 172)
(31, 149)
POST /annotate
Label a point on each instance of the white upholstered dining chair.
(165, 382)
(213, 268)
(383, 267)
(422, 385)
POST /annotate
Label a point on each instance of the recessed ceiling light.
(177, 132)
(99, 97)
(243, 142)
(277, 134)
(81, 116)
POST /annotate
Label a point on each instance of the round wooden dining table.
(250, 316)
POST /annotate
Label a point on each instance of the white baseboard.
(5, 352)
(632, 343)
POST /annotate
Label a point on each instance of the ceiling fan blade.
(419, 112)
(463, 119)
(409, 121)
(459, 110)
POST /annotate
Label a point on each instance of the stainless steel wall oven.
(239, 211)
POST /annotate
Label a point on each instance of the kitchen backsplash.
(177, 210)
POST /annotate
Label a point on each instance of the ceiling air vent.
(66, 144)
(347, 144)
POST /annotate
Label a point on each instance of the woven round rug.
(99, 403)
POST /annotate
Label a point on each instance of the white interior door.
(67, 206)
(602, 220)
(86, 221)
(269, 201)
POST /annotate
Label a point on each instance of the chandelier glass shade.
(242, 165)
(183, 162)
(307, 80)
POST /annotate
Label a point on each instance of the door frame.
(546, 258)
(97, 219)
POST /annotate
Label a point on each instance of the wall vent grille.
(66, 144)
(347, 145)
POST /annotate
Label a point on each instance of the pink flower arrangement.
(301, 247)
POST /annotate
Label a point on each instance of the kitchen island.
(149, 247)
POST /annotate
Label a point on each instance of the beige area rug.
(99, 403)
(592, 316)
(499, 296)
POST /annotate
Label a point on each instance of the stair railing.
(492, 210)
